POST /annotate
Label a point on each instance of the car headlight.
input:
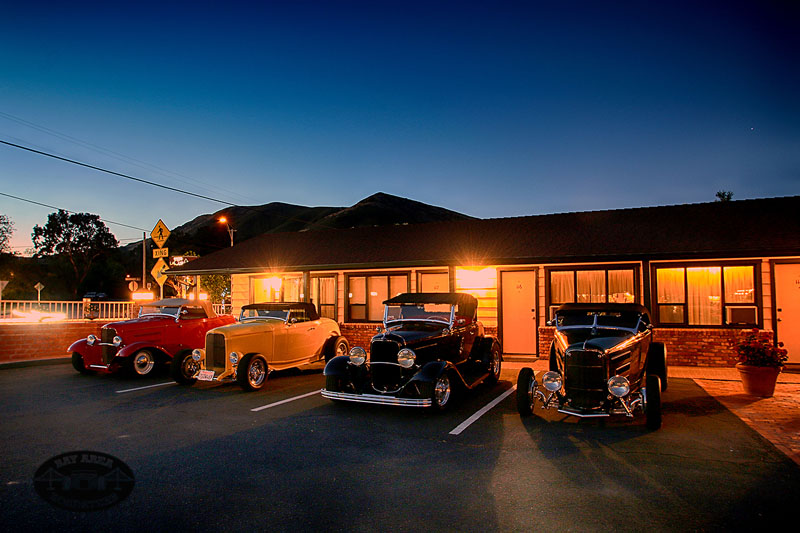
(234, 357)
(90, 340)
(406, 358)
(619, 386)
(198, 354)
(116, 341)
(357, 356)
(552, 381)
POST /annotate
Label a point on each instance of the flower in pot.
(760, 362)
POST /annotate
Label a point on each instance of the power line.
(154, 184)
(126, 176)
(67, 210)
(116, 155)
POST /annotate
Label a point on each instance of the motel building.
(708, 272)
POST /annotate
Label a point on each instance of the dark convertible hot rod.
(430, 344)
(603, 362)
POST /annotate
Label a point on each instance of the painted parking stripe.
(485, 409)
(287, 400)
(147, 387)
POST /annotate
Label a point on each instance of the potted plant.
(760, 362)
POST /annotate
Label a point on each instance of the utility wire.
(154, 184)
(68, 211)
(116, 155)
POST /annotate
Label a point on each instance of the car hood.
(249, 327)
(582, 339)
(412, 334)
(148, 328)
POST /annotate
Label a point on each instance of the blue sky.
(491, 109)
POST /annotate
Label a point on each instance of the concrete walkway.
(777, 419)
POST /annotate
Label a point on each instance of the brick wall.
(685, 347)
(21, 342)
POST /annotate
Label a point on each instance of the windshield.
(277, 314)
(440, 312)
(608, 319)
(159, 310)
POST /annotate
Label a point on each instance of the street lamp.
(224, 220)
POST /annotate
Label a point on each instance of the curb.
(36, 362)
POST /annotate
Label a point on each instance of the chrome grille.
(385, 377)
(108, 352)
(585, 377)
(215, 350)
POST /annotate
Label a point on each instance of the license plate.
(205, 375)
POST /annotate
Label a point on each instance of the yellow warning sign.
(159, 233)
(158, 272)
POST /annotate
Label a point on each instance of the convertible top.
(310, 309)
(467, 304)
(177, 302)
(615, 308)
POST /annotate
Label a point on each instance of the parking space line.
(147, 387)
(485, 409)
(287, 400)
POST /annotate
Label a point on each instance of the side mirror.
(293, 320)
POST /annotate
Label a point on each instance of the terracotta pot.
(758, 380)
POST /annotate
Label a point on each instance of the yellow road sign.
(159, 233)
(160, 252)
(158, 272)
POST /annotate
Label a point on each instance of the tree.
(6, 230)
(217, 286)
(78, 239)
(724, 196)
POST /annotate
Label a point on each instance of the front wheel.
(79, 365)
(526, 392)
(442, 393)
(495, 364)
(252, 371)
(142, 363)
(184, 368)
(653, 405)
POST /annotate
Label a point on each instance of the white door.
(787, 308)
(518, 313)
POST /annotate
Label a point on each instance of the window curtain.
(562, 288)
(377, 287)
(591, 286)
(620, 286)
(704, 295)
(739, 285)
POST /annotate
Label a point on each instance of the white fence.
(75, 310)
(69, 310)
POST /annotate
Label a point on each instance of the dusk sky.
(491, 109)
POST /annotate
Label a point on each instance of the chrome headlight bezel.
(619, 386)
(234, 358)
(358, 356)
(406, 357)
(117, 341)
(91, 339)
(198, 354)
(552, 381)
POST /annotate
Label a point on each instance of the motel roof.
(743, 228)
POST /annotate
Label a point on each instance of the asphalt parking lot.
(212, 457)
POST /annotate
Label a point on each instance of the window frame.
(315, 278)
(635, 267)
(757, 296)
(366, 276)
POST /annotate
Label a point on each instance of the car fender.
(485, 345)
(130, 349)
(338, 366)
(431, 371)
(79, 346)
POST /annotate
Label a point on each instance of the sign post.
(3, 284)
(38, 288)
(160, 234)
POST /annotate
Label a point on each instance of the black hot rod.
(430, 343)
(603, 362)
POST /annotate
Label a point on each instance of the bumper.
(376, 399)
